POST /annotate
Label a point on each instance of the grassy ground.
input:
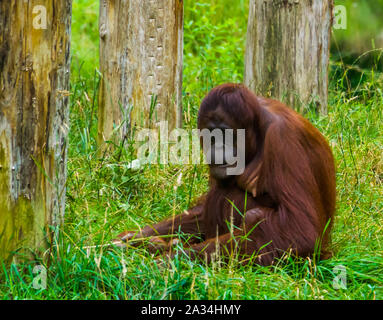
(104, 196)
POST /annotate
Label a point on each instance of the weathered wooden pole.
(141, 46)
(287, 52)
(34, 84)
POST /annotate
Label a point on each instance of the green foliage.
(214, 44)
(364, 24)
(105, 196)
(85, 40)
(364, 34)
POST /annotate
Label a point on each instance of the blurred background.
(364, 32)
(221, 30)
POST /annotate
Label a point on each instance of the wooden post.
(287, 52)
(141, 44)
(34, 84)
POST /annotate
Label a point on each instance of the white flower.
(134, 165)
(179, 181)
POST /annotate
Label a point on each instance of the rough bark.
(34, 84)
(141, 44)
(287, 52)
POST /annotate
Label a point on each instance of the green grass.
(105, 197)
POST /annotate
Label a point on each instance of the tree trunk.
(34, 84)
(287, 52)
(141, 44)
